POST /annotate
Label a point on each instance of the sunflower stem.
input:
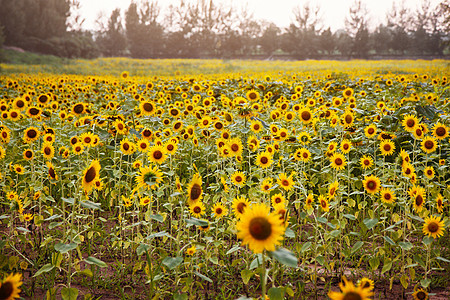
(263, 275)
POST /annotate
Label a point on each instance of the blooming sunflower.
(48, 151)
(260, 229)
(28, 154)
(332, 146)
(305, 115)
(366, 162)
(238, 178)
(420, 294)
(408, 169)
(219, 210)
(191, 250)
(440, 131)
(371, 184)
(366, 283)
(285, 182)
(429, 172)
(147, 108)
(347, 119)
(235, 146)
(346, 146)
(349, 291)
(387, 195)
(387, 147)
(157, 154)
(127, 147)
(428, 144)
(120, 126)
(51, 171)
(195, 190)
(90, 174)
(9, 287)
(266, 185)
(278, 199)
(410, 122)
(323, 202)
(332, 189)
(263, 160)
(256, 126)
(303, 155)
(31, 134)
(440, 203)
(149, 177)
(338, 161)
(240, 205)
(309, 201)
(433, 227)
(197, 209)
(418, 195)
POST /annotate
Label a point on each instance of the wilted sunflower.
(387, 147)
(387, 195)
(51, 171)
(90, 174)
(349, 291)
(238, 178)
(9, 287)
(149, 177)
(428, 144)
(286, 182)
(260, 229)
(338, 161)
(195, 190)
(240, 204)
(157, 154)
(372, 184)
(433, 227)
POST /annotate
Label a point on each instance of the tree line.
(206, 29)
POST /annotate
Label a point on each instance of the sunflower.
(410, 122)
(428, 144)
(120, 126)
(287, 183)
(191, 250)
(87, 138)
(195, 190)
(278, 199)
(256, 126)
(127, 147)
(238, 178)
(332, 146)
(171, 147)
(33, 112)
(197, 209)
(157, 154)
(366, 283)
(19, 169)
(440, 131)
(143, 145)
(78, 148)
(338, 161)
(366, 162)
(305, 115)
(309, 201)
(260, 229)
(219, 210)
(349, 291)
(144, 201)
(149, 177)
(387, 147)
(429, 172)
(266, 185)
(2, 152)
(420, 294)
(304, 138)
(332, 189)
(418, 195)
(418, 133)
(147, 108)
(347, 119)
(387, 195)
(440, 203)
(9, 287)
(433, 227)
(253, 95)
(51, 171)
(346, 146)
(371, 184)
(235, 146)
(90, 174)
(323, 202)
(31, 134)
(264, 160)
(408, 169)
(240, 205)
(28, 154)
(48, 151)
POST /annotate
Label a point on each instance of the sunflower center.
(348, 119)
(87, 140)
(157, 154)
(6, 290)
(196, 190)
(238, 179)
(90, 174)
(34, 111)
(20, 104)
(440, 131)
(433, 227)
(234, 147)
(120, 126)
(218, 211)
(260, 228)
(387, 147)
(126, 146)
(52, 173)
(219, 125)
(47, 151)
(277, 200)
(366, 162)
(371, 185)
(421, 295)
(240, 207)
(256, 127)
(285, 182)
(170, 147)
(78, 109)
(29, 154)
(305, 155)
(419, 200)
(32, 133)
(387, 197)
(338, 161)
(429, 145)
(352, 296)
(197, 210)
(410, 123)
(264, 160)
(306, 115)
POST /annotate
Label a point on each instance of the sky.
(276, 11)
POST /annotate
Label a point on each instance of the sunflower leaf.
(198, 222)
(44, 269)
(370, 223)
(203, 277)
(172, 262)
(92, 260)
(275, 293)
(285, 257)
(90, 205)
(64, 248)
(69, 293)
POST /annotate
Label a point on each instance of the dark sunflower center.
(387, 147)
(306, 115)
(234, 147)
(277, 200)
(34, 111)
(197, 209)
(147, 133)
(429, 145)
(410, 123)
(29, 154)
(174, 112)
(440, 131)
(323, 203)
(126, 147)
(264, 160)
(366, 162)
(6, 290)
(332, 191)
(371, 185)
(20, 104)
(170, 147)
(31, 133)
(408, 171)
(239, 179)
(78, 108)
(43, 98)
(419, 200)
(352, 296)
(421, 295)
(240, 207)
(120, 126)
(157, 154)
(348, 119)
(260, 228)
(429, 172)
(218, 211)
(205, 122)
(366, 285)
(52, 173)
(305, 155)
(387, 197)
(196, 190)
(285, 182)
(219, 125)
(47, 151)
(90, 175)
(338, 161)
(433, 227)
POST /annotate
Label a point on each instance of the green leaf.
(275, 293)
(44, 269)
(285, 257)
(180, 297)
(92, 260)
(425, 282)
(172, 262)
(289, 233)
(203, 277)
(158, 218)
(335, 233)
(427, 240)
(357, 246)
(90, 205)
(404, 281)
(234, 249)
(197, 222)
(443, 259)
(305, 247)
(350, 217)
(370, 223)
(374, 263)
(141, 249)
(419, 260)
(64, 248)
(320, 259)
(246, 275)
(387, 266)
(405, 245)
(68, 200)
(69, 293)
(389, 240)
(86, 272)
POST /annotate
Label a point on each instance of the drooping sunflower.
(278, 199)
(149, 177)
(338, 161)
(238, 178)
(387, 195)
(349, 291)
(433, 227)
(371, 184)
(286, 182)
(260, 229)
(263, 160)
(410, 122)
(219, 210)
(157, 154)
(240, 205)
(440, 131)
(323, 203)
(195, 191)
(31, 134)
(420, 294)
(90, 174)
(197, 209)
(440, 203)
(9, 287)
(387, 147)
(428, 144)
(366, 162)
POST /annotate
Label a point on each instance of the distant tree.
(327, 43)
(269, 41)
(381, 39)
(344, 43)
(112, 40)
(399, 20)
(12, 18)
(356, 26)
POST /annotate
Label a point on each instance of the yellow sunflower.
(366, 162)
(387, 147)
(31, 134)
(235, 146)
(256, 126)
(332, 189)
(147, 108)
(420, 294)
(372, 184)
(9, 287)
(90, 174)
(305, 115)
(338, 161)
(347, 119)
(197, 209)
(440, 203)
(266, 185)
(286, 182)
(349, 291)
(433, 227)
(429, 172)
(428, 144)
(157, 154)
(410, 122)
(127, 147)
(418, 195)
(240, 205)
(260, 229)
(440, 131)
(278, 199)
(149, 177)
(387, 195)
(323, 202)
(366, 283)
(309, 201)
(219, 210)
(263, 160)
(238, 178)
(51, 171)
(28, 154)
(195, 190)
(346, 146)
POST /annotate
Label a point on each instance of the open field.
(139, 179)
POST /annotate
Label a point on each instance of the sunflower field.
(127, 179)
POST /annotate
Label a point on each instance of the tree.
(112, 40)
(356, 26)
(269, 41)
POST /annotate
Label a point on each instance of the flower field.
(173, 179)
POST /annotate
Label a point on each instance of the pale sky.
(276, 11)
